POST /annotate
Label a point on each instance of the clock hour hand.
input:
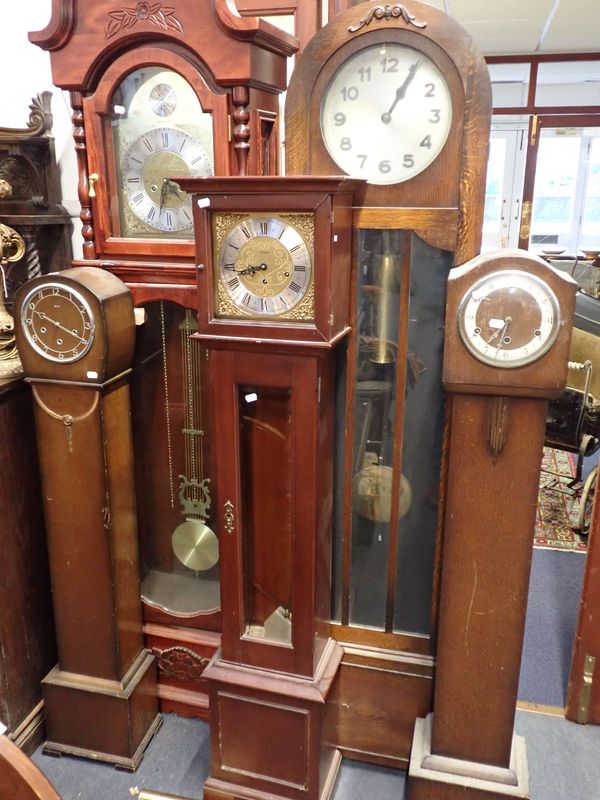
(59, 326)
(500, 332)
(251, 270)
(401, 91)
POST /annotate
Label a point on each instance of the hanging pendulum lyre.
(194, 543)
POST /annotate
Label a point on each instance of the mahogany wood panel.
(236, 50)
(365, 729)
(20, 779)
(311, 443)
(26, 622)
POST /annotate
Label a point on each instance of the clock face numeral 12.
(265, 265)
(386, 113)
(148, 164)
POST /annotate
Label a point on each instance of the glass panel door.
(504, 186)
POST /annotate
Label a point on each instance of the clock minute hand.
(500, 332)
(59, 326)
(401, 91)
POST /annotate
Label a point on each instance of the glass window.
(555, 186)
(568, 83)
(591, 214)
(510, 84)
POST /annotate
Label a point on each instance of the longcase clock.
(75, 333)
(163, 89)
(273, 284)
(398, 96)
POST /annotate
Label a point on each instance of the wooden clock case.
(275, 479)
(467, 747)
(100, 699)
(237, 67)
(385, 680)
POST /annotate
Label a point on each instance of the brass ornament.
(372, 488)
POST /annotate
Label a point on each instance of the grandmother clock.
(398, 95)
(273, 261)
(75, 333)
(161, 89)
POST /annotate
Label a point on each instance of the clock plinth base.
(448, 778)
(101, 719)
(270, 737)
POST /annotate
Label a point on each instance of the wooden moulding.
(255, 716)
(103, 720)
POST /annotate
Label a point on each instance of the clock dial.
(57, 322)
(265, 265)
(163, 99)
(386, 113)
(147, 166)
(509, 319)
(159, 130)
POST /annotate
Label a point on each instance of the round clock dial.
(265, 265)
(147, 165)
(386, 113)
(163, 100)
(57, 322)
(509, 318)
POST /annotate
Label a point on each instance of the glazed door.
(503, 189)
(561, 193)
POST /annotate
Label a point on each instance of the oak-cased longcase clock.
(75, 332)
(395, 94)
(163, 89)
(273, 288)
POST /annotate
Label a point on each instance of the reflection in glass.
(422, 436)
(179, 550)
(396, 425)
(266, 472)
(377, 325)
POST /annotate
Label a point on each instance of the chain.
(167, 411)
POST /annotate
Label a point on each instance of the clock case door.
(435, 219)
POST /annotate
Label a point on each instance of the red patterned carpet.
(558, 505)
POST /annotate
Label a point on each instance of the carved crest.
(387, 12)
(181, 663)
(155, 13)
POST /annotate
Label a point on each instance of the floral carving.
(181, 663)
(154, 13)
(387, 12)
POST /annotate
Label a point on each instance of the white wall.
(24, 73)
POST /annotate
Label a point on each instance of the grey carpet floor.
(552, 609)
(563, 765)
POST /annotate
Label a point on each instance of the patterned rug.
(558, 504)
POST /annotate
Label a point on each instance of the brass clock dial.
(159, 130)
(147, 166)
(509, 319)
(57, 322)
(265, 265)
(386, 113)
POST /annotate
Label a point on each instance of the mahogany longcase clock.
(399, 96)
(273, 261)
(162, 89)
